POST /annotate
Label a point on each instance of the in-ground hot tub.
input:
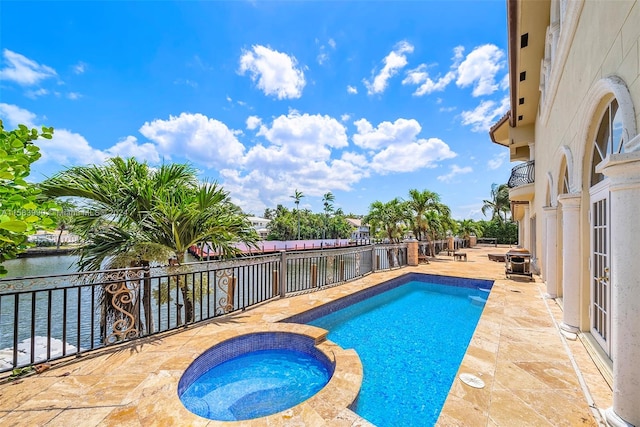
(254, 375)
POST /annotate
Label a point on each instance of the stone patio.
(533, 375)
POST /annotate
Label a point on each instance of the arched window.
(609, 139)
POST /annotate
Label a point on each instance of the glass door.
(600, 304)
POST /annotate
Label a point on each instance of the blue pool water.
(411, 340)
(255, 384)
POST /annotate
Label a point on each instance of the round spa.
(254, 375)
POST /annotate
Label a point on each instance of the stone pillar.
(526, 226)
(451, 244)
(521, 233)
(412, 252)
(570, 261)
(623, 171)
(473, 241)
(551, 250)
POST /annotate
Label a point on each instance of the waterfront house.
(573, 126)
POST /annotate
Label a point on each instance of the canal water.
(41, 266)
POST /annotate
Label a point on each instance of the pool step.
(477, 300)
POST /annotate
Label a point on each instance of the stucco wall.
(606, 42)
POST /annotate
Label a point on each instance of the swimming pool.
(254, 375)
(411, 334)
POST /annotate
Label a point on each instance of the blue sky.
(364, 99)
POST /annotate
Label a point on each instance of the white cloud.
(322, 57)
(198, 138)
(253, 122)
(308, 137)
(400, 148)
(352, 90)
(484, 115)
(129, 147)
(504, 83)
(299, 151)
(275, 72)
(422, 153)
(80, 68)
(393, 63)
(69, 149)
(186, 82)
(14, 115)
(497, 160)
(447, 109)
(23, 70)
(345, 117)
(454, 172)
(387, 133)
(33, 94)
(479, 69)
(419, 76)
(74, 95)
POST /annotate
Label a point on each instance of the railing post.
(283, 274)
(275, 282)
(314, 276)
(375, 260)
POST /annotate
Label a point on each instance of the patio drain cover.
(472, 380)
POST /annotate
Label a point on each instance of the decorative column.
(623, 171)
(551, 250)
(526, 222)
(570, 261)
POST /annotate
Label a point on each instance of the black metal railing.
(522, 174)
(46, 318)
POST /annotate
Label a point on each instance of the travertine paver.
(516, 350)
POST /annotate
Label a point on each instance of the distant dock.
(274, 246)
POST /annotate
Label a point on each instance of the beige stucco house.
(575, 109)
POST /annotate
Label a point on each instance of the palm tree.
(426, 207)
(142, 214)
(421, 202)
(297, 195)
(499, 203)
(468, 227)
(328, 208)
(389, 219)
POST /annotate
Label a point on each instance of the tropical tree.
(21, 210)
(506, 232)
(142, 214)
(327, 200)
(282, 225)
(420, 202)
(389, 220)
(468, 227)
(297, 195)
(499, 205)
(268, 213)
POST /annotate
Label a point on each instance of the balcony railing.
(50, 317)
(522, 174)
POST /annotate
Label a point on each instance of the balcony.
(522, 174)
(521, 182)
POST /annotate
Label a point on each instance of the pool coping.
(339, 393)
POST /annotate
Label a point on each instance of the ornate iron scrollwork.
(121, 292)
(225, 282)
